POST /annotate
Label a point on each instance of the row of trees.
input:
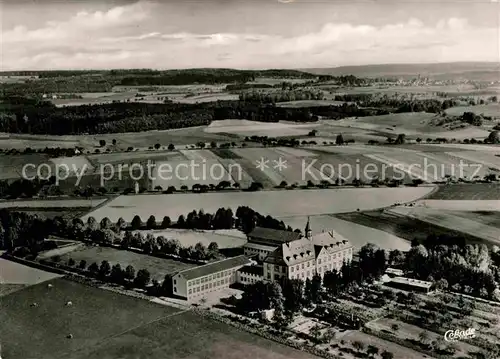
(116, 274)
(281, 96)
(467, 269)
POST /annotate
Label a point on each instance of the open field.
(485, 159)
(178, 137)
(52, 203)
(251, 128)
(15, 273)
(461, 205)
(132, 157)
(488, 218)
(158, 267)
(467, 191)
(276, 203)
(191, 238)
(401, 226)
(21, 142)
(432, 167)
(357, 234)
(445, 219)
(10, 288)
(12, 165)
(411, 124)
(492, 109)
(309, 103)
(206, 97)
(93, 317)
(102, 329)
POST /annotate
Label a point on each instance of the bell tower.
(307, 231)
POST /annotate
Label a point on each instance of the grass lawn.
(15, 273)
(190, 238)
(158, 267)
(40, 332)
(108, 325)
(188, 335)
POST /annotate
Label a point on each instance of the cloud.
(82, 24)
(127, 36)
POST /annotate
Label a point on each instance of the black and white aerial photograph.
(249, 179)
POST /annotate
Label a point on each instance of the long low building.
(194, 283)
(410, 284)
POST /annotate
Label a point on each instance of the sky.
(79, 34)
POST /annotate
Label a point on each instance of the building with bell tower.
(308, 231)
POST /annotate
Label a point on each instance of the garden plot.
(280, 203)
(448, 220)
(399, 351)
(191, 238)
(411, 331)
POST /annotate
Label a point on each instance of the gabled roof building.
(302, 258)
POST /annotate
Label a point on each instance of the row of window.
(301, 266)
(341, 255)
(208, 286)
(210, 277)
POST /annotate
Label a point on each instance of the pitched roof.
(273, 236)
(207, 269)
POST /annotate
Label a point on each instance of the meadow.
(52, 203)
(279, 203)
(15, 273)
(446, 219)
(467, 191)
(158, 267)
(460, 205)
(492, 109)
(102, 329)
(412, 124)
(191, 238)
(255, 128)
